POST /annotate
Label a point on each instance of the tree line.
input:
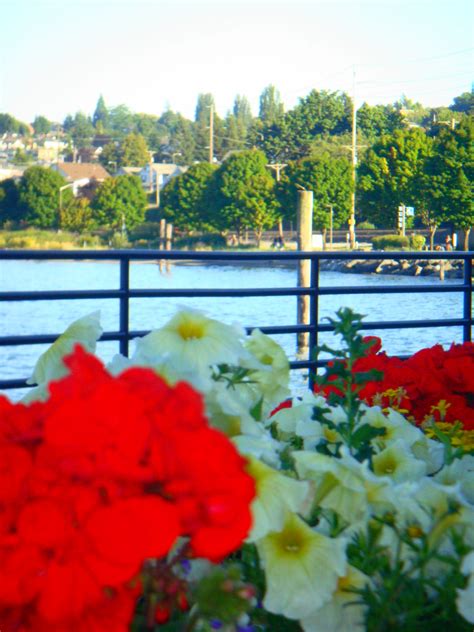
(408, 155)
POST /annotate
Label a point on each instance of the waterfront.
(43, 317)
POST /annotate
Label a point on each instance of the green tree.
(41, 125)
(183, 200)
(110, 157)
(449, 180)
(378, 120)
(412, 112)
(271, 106)
(121, 120)
(463, 103)
(120, 201)
(77, 216)
(133, 151)
(22, 157)
(38, 197)
(82, 131)
(100, 118)
(388, 175)
(10, 125)
(329, 178)
(201, 128)
(9, 202)
(154, 134)
(241, 194)
(182, 148)
(243, 116)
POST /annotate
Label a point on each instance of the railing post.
(124, 304)
(313, 316)
(467, 292)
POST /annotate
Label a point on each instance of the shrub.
(147, 230)
(197, 242)
(365, 225)
(417, 242)
(390, 242)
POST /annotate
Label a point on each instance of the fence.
(124, 293)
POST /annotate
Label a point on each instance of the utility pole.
(277, 167)
(352, 236)
(211, 133)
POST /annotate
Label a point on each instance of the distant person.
(449, 243)
(278, 243)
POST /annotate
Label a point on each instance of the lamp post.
(61, 189)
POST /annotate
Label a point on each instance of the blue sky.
(58, 56)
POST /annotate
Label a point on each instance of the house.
(159, 173)
(79, 174)
(11, 172)
(51, 151)
(129, 171)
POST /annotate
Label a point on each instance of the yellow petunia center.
(385, 465)
(189, 330)
(344, 583)
(291, 540)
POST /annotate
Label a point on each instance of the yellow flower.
(302, 568)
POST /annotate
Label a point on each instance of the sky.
(58, 56)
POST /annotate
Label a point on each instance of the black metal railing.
(124, 292)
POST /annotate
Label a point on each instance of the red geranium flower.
(106, 473)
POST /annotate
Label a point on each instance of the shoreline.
(442, 268)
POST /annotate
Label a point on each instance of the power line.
(421, 59)
(377, 82)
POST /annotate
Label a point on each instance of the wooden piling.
(162, 240)
(304, 240)
(169, 243)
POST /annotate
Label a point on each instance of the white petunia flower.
(192, 342)
(459, 473)
(465, 599)
(276, 495)
(84, 331)
(395, 425)
(272, 379)
(341, 613)
(398, 462)
(302, 568)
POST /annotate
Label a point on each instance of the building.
(79, 174)
(159, 172)
(51, 151)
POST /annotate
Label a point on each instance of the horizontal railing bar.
(389, 289)
(224, 256)
(48, 295)
(405, 324)
(19, 340)
(18, 383)
(40, 339)
(222, 293)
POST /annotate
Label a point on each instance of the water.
(43, 317)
